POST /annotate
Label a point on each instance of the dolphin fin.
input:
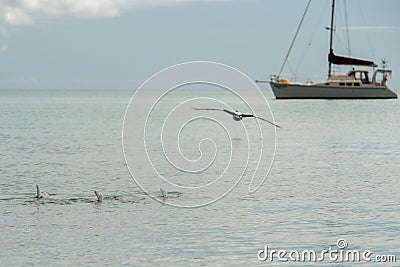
(163, 194)
(37, 191)
(98, 195)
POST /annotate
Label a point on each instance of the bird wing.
(230, 112)
(247, 115)
(218, 109)
(251, 115)
(267, 121)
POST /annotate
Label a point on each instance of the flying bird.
(238, 116)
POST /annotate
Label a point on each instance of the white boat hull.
(310, 91)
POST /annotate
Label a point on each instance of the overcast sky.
(117, 44)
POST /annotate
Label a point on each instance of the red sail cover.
(348, 61)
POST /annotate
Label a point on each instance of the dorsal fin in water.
(37, 191)
(163, 194)
(99, 196)
(39, 194)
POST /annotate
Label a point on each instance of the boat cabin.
(352, 78)
(360, 78)
(361, 75)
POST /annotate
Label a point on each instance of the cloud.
(3, 48)
(15, 16)
(24, 12)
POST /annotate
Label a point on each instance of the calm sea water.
(335, 175)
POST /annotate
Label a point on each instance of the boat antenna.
(331, 38)
(294, 39)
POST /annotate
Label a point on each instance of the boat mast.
(331, 38)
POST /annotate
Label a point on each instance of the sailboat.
(356, 84)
